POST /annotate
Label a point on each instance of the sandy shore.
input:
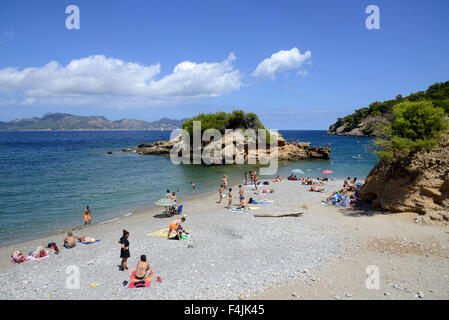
(319, 255)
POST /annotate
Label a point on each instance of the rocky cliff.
(418, 183)
(285, 150)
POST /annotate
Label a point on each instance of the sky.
(296, 64)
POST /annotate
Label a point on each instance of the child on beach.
(176, 227)
(230, 198)
(87, 215)
(124, 251)
(220, 193)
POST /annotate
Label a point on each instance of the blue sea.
(48, 177)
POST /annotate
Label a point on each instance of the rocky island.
(239, 122)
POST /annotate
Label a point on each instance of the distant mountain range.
(64, 121)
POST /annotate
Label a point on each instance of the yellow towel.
(163, 233)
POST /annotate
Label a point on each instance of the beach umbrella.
(299, 171)
(327, 171)
(165, 202)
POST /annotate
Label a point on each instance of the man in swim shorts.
(176, 227)
(70, 241)
(87, 215)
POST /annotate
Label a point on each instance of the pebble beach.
(236, 255)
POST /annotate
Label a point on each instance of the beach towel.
(253, 208)
(136, 283)
(237, 210)
(163, 233)
(97, 240)
(265, 201)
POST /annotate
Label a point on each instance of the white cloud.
(101, 80)
(280, 62)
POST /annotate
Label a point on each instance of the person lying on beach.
(142, 268)
(86, 239)
(40, 253)
(18, 257)
(230, 199)
(176, 227)
(124, 250)
(315, 189)
(69, 241)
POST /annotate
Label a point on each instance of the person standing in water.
(246, 178)
(87, 217)
(225, 182)
(124, 251)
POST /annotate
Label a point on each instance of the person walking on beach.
(124, 251)
(176, 227)
(220, 193)
(230, 199)
(87, 215)
(241, 192)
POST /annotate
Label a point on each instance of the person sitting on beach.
(243, 203)
(175, 199)
(176, 227)
(69, 241)
(142, 268)
(87, 215)
(347, 182)
(124, 250)
(230, 198)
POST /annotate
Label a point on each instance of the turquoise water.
(48, 177)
